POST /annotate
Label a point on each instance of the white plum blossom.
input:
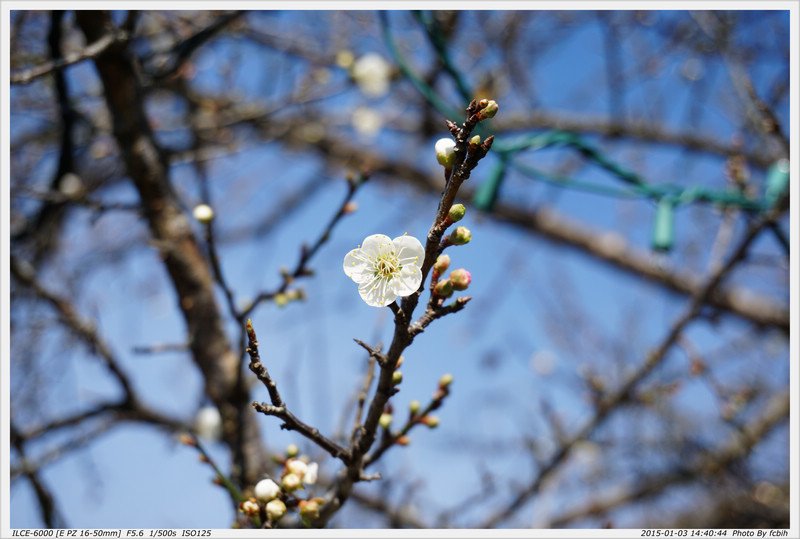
(384, 268)
(371, 73)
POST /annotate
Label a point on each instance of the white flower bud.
(297, 467)
(267, 490)
(445, 152)
(208, 423)
(291, 482)
(276, 509)
(203, 213)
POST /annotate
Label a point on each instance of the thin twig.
(301, 268)
(90, 51)
(279, 409)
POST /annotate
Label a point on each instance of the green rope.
(487, 194)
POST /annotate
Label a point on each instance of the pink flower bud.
(460, 278)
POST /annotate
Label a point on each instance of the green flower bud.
(309, 509)
(431, 421)
(445, 380)
(397, 377)
(413, 407)
(444, 288)
(456, 213)
(385, 420)
(292, 450)
(460, 236)
(489, 110)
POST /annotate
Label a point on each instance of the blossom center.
(387, 265)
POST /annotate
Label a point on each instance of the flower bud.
(187, 439)
(296, 467)
(413, 407)
(430, 421)
(344, 58)
(460, 236)
(385, 420)
(266, 490)
(249, 507)
(489, 110)
(309, 509)
(456, 213)
(444, 288)
(397, 377)
(441, 264)
(350, 207)
(460, 279)
(276, 509)
(280, 299)
(445, 380)
(445, 152)
(203, 213)
(402, 440)
(291, 482)
(292, 450)
(474, 141)
(208, 423)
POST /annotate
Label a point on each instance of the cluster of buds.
(297, 472)
(274, 509)
(271, 495)
(281, 299)
(459, 279)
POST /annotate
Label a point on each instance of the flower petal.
(409, 251)
(376, 244)
(407, 281)
(357, 266)
(377, 292)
